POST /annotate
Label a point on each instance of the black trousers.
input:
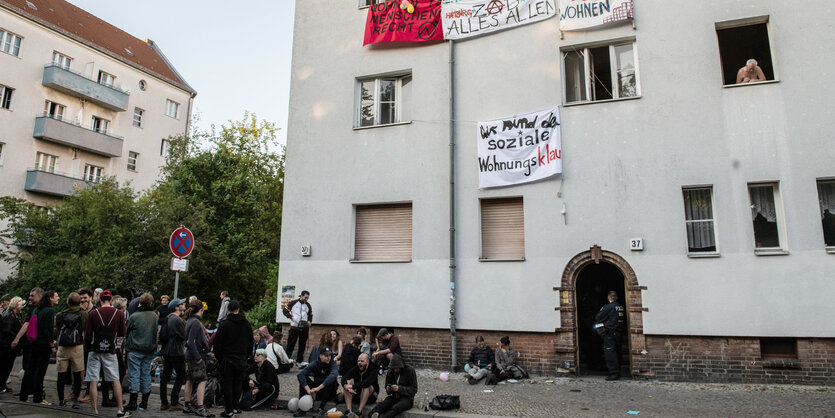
(35, 373)
(611, 352)
(7, 358)
(232, 373)
(328, 393)
(299, 334)
(178, 364)
(392, 406)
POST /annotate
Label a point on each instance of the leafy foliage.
(226, 187)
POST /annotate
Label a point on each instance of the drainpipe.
(452, 266)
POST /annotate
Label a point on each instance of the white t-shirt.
(274, 349)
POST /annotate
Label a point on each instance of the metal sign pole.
(176, 283)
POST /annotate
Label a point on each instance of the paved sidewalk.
(542, 397)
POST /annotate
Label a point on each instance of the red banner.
(404, 20)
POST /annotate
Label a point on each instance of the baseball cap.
(175, 303)
(325, 351)
(105, 294)
(382, 332)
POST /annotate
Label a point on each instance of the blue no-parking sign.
(182, 242)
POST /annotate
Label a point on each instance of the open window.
(740, 42)
(768, 218)
(383, 100)
(778, 348)
(826, 197)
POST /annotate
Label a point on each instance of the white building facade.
(705, 204)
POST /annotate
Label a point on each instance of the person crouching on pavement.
(360, 379)
(264, 389)
(481, 361)
(401, 386)
(318, 379)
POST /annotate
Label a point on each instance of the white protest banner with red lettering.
(519, 149)
(584, 14)
(403, 20)
(467, 18)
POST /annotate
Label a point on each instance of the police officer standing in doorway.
(612, 316)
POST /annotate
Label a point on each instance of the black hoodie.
(233, 337)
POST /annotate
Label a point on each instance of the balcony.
(75, 84)
(54, 128)
(39, 180)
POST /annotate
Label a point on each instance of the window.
(137, 117)
(132, 159)
(172, 108)
(778, 347)
(502, 229)
(383, 233)
(9, 42)
(54, 110)
(92, 173)
(45, 162)
(698, 219)
(366, 3)
(766, 214)
(61, 60)
(601, 73)
(383, 100)
(106, 78)
(143, 85)
(6, 97)
(100, 125)
(164, 148)
(741, 41)
(2, 148)
(826, 196)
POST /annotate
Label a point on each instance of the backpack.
(32, 328)
(70, 334)
(104, 338)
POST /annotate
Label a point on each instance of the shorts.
(195, 372)
(70, 356)
(102, 363)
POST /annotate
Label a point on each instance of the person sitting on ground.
(318, 379)
(336, 345)
(388, 344)
(69, 327)
(350, 353)
(401, 387)
(360, 379)
(324, 341)
(750, 73)
(264, 388)
(277, 356)
(481, 361)
(365, 346)
(506, 367)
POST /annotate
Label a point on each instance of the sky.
(235, 54)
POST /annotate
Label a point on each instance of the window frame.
(137, 111)
(51, 160)
(771, 347)
(61, 60)
(106, 79)
(169, 104)
(133, 160)
(6, 94)
(587, 76)
(483, 233)
(818, 183)
(47, 110)
(738, 23)
(10, 42)
(780, 214)
(712, 220)
(378, 257)
(398, 78)
(364, 4)
(90, 170)
(2, 153)
(164, 147)
(101, 121)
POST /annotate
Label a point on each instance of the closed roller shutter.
(384, 233)
(502, 229)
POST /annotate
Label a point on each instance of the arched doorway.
(593, 283)
(582, 274)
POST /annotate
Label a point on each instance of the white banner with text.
(584, 14)
(467, 18)
(519, 149)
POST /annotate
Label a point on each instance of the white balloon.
(444, 376)
(306, 403)
(293, 404)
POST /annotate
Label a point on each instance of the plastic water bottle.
(426, 401)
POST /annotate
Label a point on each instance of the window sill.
(360, 128)
(830, 250)
(378, 261)
(490, 260)
(621, 99)
(704, 255)
(758, 83)
(770, 251)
